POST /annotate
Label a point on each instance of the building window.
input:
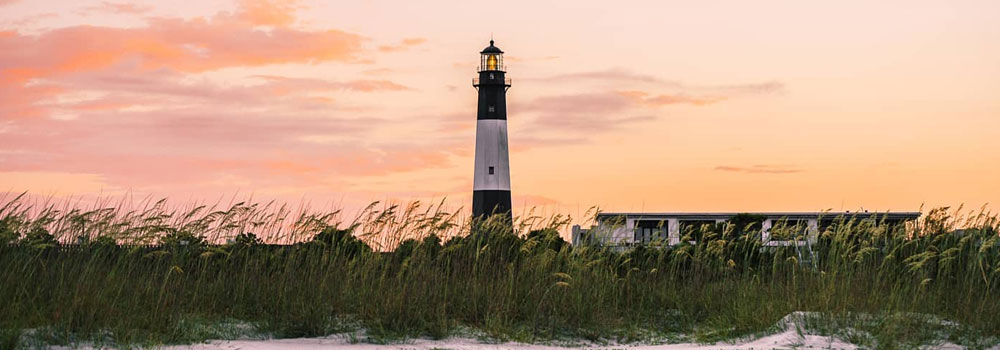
(492, 109)
(491, 170)
(648, 231)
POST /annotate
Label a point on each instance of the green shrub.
(246, 239)
(182, 239)
(39, 237)
(342, 241)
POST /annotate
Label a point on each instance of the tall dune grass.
(154, 275)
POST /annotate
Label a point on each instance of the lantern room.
(492, 59)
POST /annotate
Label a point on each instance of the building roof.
(790, 215)
(491, 49)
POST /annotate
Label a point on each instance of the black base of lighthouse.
(489, 202)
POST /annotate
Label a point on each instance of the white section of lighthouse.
(491, 185)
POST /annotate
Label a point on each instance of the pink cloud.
(193, 45)
(403, 45)
(522, 142)
(286, 83)
(378, 71)
(123, 8)
(596, 112)
(30, 20)
(757, 88)
(268, 12)
(576, 103)
(760, 169)
(20, 101)
(454, 122)
(126, 85)
(528, 200)
(611, 75)
(588, 112)
(670, 99)
(414, 41)
(622, 77)
(174, 149)
(520, 59)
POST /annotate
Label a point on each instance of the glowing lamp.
(491, 62)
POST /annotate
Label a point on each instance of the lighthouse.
(491, 185)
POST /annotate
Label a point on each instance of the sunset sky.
(656, 106)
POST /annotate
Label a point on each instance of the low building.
(629, 229)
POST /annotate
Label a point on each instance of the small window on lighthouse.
(491, 109)
(491, 170)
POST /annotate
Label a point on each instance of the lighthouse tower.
(491, 188)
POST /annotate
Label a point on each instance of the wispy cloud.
(558, 120)
(405, 44)
(267, 12)
(587, 112)
(185, 147)
(670, 99)
(520, 59)
(379, 71)
(641, 82)
(118, 8)
(768, 87)
(760, 169)
(453, 122)
(30, 20)
(530, 201)
(127, 85)
(523, 141)
(611, 75)
(575, 103)
(283, 84)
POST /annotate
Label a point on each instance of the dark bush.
(341, 240)
(182, 239)
(246, 239)
(39, 237)
(547, 238)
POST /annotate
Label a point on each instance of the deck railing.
(506, 81)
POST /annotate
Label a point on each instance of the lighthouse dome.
(491, 49)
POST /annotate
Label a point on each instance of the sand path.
(788, 339)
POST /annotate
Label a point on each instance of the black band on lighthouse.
(492, 95)
(488, 202)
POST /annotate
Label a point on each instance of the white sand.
(784, 340)
(788, 339)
